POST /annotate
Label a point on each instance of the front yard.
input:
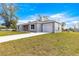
(4, 33)
(48, 44)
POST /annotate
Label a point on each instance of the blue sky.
(68, 12)
(47, 8)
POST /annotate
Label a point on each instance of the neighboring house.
(41, 26)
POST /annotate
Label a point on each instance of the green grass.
(4, 33)
(48, 44)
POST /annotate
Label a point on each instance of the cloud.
(65, 17)
(27, 19)
(60, 17)
(75, 22)
(72, 19)
(72, 24)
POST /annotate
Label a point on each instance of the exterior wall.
(42, 27)
(20, 28)
(33, 30)
(60, 28)
(57, 27)
(17, 27)
(39, 27)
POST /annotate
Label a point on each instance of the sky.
(66, 12)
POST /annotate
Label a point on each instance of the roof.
(47, 21)
(32, 22)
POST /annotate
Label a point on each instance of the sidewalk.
(18, 36)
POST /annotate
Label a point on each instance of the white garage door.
(47, 27)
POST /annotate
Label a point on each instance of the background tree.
(13, 24)
(39, 17)
(8, 14)
(4, 15)
(42, 18)
(63, 25)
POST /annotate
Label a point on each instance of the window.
(32, 26)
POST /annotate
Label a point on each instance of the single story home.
(41, 26)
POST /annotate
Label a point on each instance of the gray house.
(41, 26)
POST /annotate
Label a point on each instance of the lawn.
(57, 44)
(4, 33)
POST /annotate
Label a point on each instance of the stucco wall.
(20, 28)
(33, 30)
(60, 26)
(39, 28)
(50, 27)
(57, 27)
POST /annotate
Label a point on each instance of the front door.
(25, 27)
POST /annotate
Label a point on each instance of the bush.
(2, 27)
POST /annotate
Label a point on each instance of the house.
(76, 28)
(40, 26)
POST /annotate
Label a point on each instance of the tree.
(4, 15)
(45, 18)
(39, 18)
(8, 14)
(71, 29)
(63, 25)
(13, 24)
(42, 18)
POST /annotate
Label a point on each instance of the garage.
(48, 27)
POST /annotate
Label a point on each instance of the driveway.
(18, 36)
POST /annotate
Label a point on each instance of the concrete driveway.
(18, 36)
